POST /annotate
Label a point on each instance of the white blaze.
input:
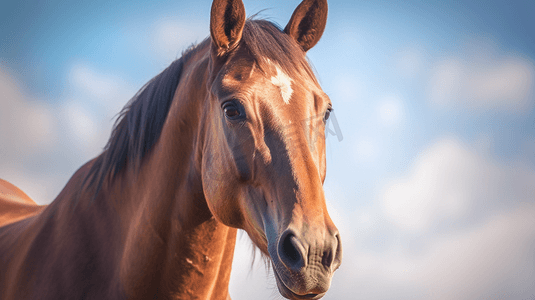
(284, 82)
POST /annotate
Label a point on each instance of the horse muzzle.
(305, 261)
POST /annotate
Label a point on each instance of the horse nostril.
(327, 258)
(331, 251)
(290, 251)
(289, 248)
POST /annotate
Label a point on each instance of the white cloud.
(28, 130)
(80, 124)
(528, 150)
(483, 82)
(27, 125)
(42, 144)
(448, 181)
(493, 260)
(39, 125)
(410, 62)
(107, 92)
(366, 151)
(390, 111)
(172, 37)
(488, 256)
(95, 99)
(446, 82)
(99, 86)
(347, 89)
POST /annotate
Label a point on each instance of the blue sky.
(434, 178)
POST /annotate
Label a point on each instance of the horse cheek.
(222, 195)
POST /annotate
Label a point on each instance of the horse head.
(263, 153)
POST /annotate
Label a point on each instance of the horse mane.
(139, 124)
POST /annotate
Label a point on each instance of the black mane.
(138, 125)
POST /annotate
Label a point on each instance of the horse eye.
(231, 111)
(327, 114)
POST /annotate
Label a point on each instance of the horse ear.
(307, 23)
(227, 19)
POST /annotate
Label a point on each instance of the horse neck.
(150, 227)
(173, 245)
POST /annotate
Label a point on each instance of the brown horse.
(231, 135)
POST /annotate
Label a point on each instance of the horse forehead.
(282, 81)
(246, 75)
(238, 73)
